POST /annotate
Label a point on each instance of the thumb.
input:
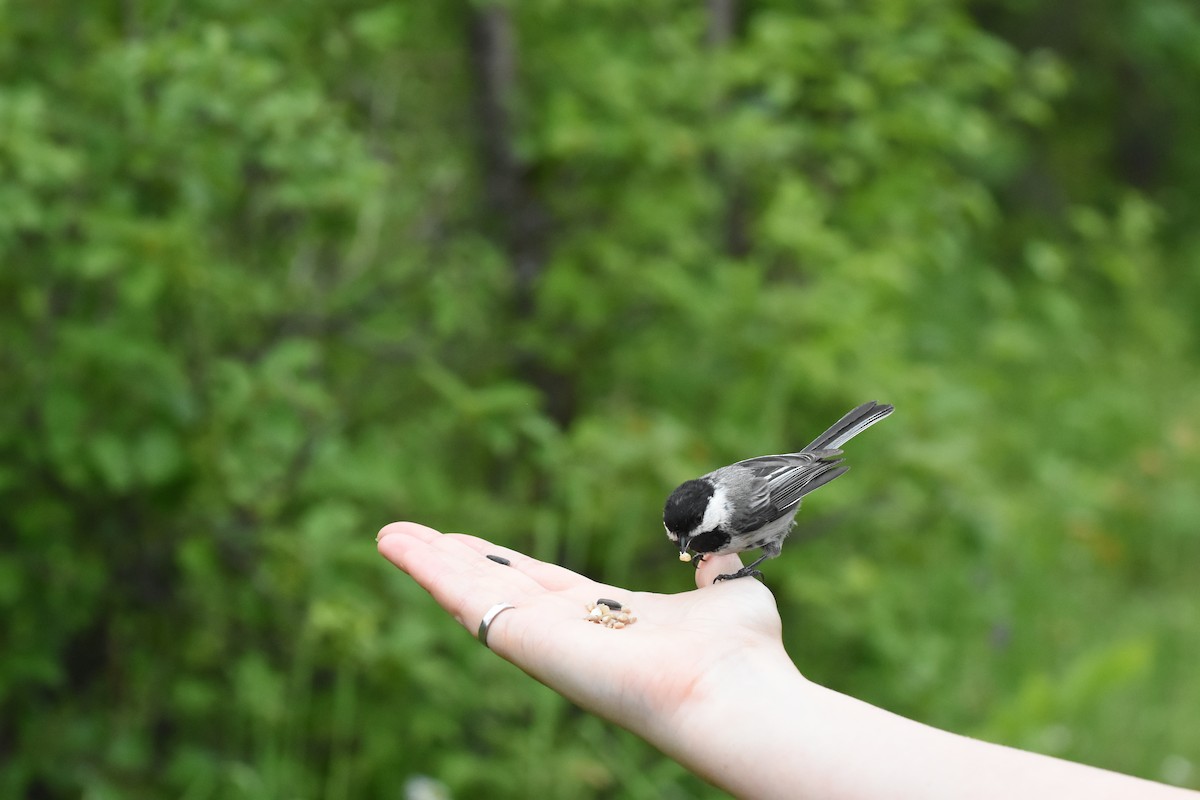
(714, 565)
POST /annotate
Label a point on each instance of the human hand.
(704, 677)
(649, 676)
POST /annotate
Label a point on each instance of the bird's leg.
(698, 560)
(746, 570)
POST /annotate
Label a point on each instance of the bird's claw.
(741, 573)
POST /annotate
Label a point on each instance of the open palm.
(642, 676)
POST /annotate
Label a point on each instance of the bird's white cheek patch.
(716, 513)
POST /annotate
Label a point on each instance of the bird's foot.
(741, 573)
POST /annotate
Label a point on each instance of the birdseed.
(603, 614)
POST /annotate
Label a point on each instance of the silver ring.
(491, 614)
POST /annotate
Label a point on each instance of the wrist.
(740, 719)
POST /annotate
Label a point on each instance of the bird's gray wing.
(776, 484)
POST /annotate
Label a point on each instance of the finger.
(458, 579)
(422, 532)
(551, 576)
(468, 586)
(714, 565)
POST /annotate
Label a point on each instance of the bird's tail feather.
(825, 476)
(850, 426)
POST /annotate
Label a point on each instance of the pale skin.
(703, 676)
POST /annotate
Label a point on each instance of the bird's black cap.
(686, 505)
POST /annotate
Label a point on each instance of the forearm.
(787, 737)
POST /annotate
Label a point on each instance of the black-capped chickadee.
(753, 503)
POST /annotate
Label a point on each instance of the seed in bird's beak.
(685, 557)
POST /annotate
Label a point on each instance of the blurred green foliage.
(257, 302)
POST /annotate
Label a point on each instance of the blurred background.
(275, 275)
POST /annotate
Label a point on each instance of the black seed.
(499, 559)
(612, 604)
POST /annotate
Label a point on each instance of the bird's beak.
(684, 555)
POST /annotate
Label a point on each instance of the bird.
(753, 503)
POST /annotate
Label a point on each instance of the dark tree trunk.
(516, 217)
(722, 22)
